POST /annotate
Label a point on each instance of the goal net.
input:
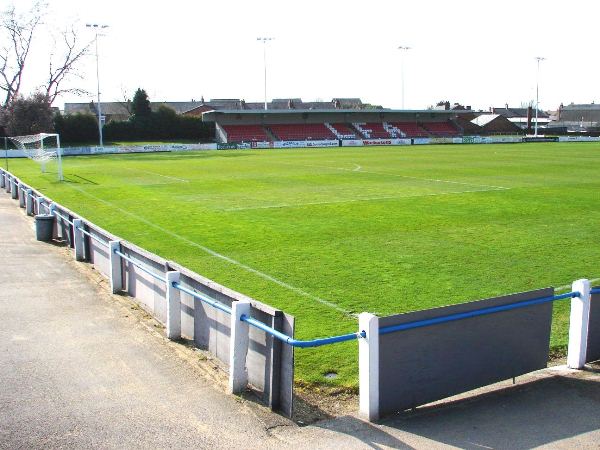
(41, 148)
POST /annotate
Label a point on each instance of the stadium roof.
(210, 116)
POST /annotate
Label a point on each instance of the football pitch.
(325, 234)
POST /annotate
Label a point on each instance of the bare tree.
(18, 31)
(72, 52)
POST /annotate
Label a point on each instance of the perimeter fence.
(405, 360)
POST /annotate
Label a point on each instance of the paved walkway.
(81, 368)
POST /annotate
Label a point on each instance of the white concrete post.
(2, 179)
(21, 196)
(173, 306)
(238, 347)
(14, 192)
(29, 202)
(578, 324)
(7, 183)
(78, 240)
(368, 367)
(38, 205)
(116, 267)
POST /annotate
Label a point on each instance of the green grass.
(384, 230)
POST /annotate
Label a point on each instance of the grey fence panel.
(150, 292)
(426, 364)
(593, 342)
(64, 228)
(270, 363)
(98, 253)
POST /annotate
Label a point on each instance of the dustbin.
(44, 227)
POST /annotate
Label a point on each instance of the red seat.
(245, 133)
(441, 128)
(302, 132)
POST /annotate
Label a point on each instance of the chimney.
(529, 116)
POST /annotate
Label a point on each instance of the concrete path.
(82, 368)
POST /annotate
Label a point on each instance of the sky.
(478, 53)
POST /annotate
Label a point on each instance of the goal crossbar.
(33, 147)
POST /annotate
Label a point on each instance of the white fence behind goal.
(41, 148)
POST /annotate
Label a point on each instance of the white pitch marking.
(397, 175)
(158, 174)
(220, 256)
(568, 286)
(367, 199)
(357, 168)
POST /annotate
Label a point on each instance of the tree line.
(143, 124)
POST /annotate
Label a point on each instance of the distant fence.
(151, 148)
(405, 360)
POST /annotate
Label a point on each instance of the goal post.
(41, 148)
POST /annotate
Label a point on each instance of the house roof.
(484, 119)
(509, 112)
(578, 113)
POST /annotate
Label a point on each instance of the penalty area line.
(158, 174)
(355, 200)
(568, 286)
(215, 254)
(359, 169)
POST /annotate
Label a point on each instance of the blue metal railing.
(140, 266)
(62, 217)
(595, 291)
(474, 313)
(215, 304)
(95, 238)
(299, 343)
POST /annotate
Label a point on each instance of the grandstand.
(237, 126)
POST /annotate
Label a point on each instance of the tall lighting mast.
(98, 27)
(403, 49)
(264, 40)
(537, 92)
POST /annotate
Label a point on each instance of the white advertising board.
(324, 143)
(421, 141)
(289, 144)
(352, 143)
(261, 145)
(578, 139)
